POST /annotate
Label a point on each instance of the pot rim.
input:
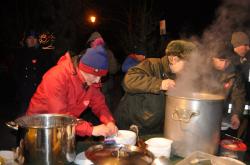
(20, 121)
(212, 97)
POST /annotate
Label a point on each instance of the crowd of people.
(83, 82)
(31, 62)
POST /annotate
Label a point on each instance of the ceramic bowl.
(8, 156)
(159, 146)
(125, 137)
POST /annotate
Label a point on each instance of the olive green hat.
(239, 38)
(180, 48)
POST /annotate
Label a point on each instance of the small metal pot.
(47, 139)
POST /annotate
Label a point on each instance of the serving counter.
(83, 144)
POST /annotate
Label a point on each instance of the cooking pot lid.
(119, 154)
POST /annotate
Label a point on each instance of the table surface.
(83, 145)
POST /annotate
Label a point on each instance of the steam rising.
(231, 16)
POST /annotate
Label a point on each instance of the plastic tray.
(200, 158)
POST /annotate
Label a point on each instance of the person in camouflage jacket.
(145, 86)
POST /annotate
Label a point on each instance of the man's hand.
(105, 130)
(112, 128)
(100, 130)
(167, 84)
(235, 121)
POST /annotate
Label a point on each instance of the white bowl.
(159, 146)
(81, 159)
(165, 151)
(8, 156)
(159, 142)
(125, 137)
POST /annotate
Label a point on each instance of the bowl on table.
(159, 146)
(125, 137)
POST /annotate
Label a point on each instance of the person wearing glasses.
(145, 86)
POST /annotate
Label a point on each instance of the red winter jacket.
(61, 91)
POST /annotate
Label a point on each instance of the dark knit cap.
(94, 61)
(94, 36)
(180, 48)
(239, 38)
(31, 33)
(224, 54)
(223, 51)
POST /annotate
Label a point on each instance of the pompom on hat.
(239, 38)
(94, 36)
(180, 48)
(94, 61)
(95, 40)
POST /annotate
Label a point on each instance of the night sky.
(182, 17)
(68, 21)
(190, 17)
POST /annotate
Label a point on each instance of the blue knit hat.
(140, 52)
(94, 61)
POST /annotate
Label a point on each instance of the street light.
(92, 19)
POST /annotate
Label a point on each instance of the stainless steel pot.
(193, 123)
(47, 139)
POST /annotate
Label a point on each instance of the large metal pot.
(47, 139)
(193, 123)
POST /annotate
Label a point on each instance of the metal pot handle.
(139, 141)
(184, 115)
(12, 124)
(135, 129)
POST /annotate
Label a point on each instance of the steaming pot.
(47, 139)
(193, 123)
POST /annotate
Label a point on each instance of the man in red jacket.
(73, 85)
